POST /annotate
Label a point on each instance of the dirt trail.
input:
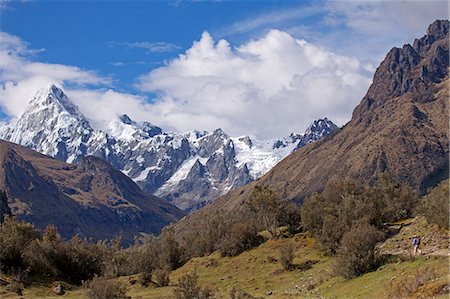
(434, 241)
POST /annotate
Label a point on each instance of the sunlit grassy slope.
(258, 272)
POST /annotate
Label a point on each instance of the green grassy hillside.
(259, 273)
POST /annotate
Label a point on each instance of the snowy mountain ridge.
(189, 169)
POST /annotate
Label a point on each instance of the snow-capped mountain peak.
(189, 169)
(54, 98)
(125, 129)
(318, 129)
(51, 124)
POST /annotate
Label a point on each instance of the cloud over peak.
(269, 86)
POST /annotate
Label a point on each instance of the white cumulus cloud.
(266, 87)
(21, 77)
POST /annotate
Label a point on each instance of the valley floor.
(258, 273)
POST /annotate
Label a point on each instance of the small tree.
(242, 236)
(102, 288)
(287, 255)
(15, 236)
(398, 201)
(266, 205)
(171, 251)
(434, 206)
(162, 277)
(188, 288)
(4, 208)
(356, 254)
(290, 216)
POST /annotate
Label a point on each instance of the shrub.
(289, 215)
(266, 206)
(4, 208)
(145, 278)
(287, 255)
(202, 237)
(14, 238)
(356, 254)
(242, 236)
(162, 277)
(343, 203)
(397, 201)
(101, 288)
(118, 263)
(171, 251)
(147, 258)
(434, 206)
(72, 260)
(188, 288)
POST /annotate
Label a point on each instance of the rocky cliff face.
(400, 127)
(188, 169)
(90, 198)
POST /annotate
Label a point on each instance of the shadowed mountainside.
(90, 199)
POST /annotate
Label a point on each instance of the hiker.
(416, 243)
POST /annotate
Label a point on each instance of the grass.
(259, 273)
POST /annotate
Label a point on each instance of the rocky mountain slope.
(400, 127)
(89, 199)
(188, 169)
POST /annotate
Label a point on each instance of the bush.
(73, 260)
(434, 206)
(118, 263)
(144, 278)
(289, 215)
(202, 237)
(266, 206)
(188, 288)
(342, 204)
(287, 255)
(14, 238)
(161, 277)
(171, 251)
(242, 236)
(356, 254)
(397, 201)
(101, 288)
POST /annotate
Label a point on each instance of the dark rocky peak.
(436, 31)
(247, 141)
(214, 141)
(320, 125)
(125, 119)
(409, 69)
(317, 130)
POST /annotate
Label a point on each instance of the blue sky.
(291, 61)
(115, 38)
